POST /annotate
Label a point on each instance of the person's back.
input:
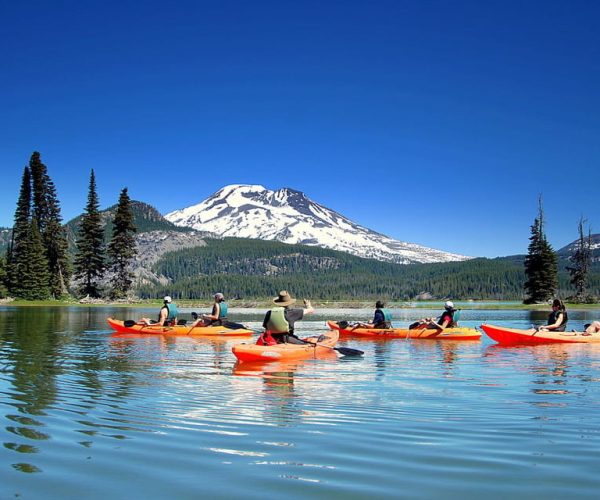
(382, 319)
(280, 320)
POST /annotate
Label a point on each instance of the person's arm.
(556, 324)
(215, 313)
(308, 308)
(162, 316)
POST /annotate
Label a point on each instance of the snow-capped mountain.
(286, 215)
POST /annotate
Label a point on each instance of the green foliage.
(581, 259)
(90, 256)
(31, 267)
(3, 278)
(541, 264)
(258, 269)
(46, 210)
(122, 247)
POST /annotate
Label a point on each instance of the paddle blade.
(128, 323)
(346, 351)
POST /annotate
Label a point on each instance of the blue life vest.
(223, 310)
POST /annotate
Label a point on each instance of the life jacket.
(387, 319)
(266, 339)
(277, 322)
(171, 313)
(223, 310)
(554, 316)
(453, 317)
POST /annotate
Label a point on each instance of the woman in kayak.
(382, 318)
(167, 316)
(557, 319)
(218, 315)
(281, 319)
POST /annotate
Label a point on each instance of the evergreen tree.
(121, 249)
(90, 253)
(20, 231)
(581, 259)
(541, 263)
(3, 278)
(32, 267)
(46, 210)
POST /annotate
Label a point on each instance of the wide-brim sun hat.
(449, 304)
(168, 298)
(284, 299)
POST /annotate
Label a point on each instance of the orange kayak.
(278, 352)
(219, 331)
(513, 336)
(459, 333)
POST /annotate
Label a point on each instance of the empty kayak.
(514, 336)
(458, 333)
(219, 331)
(318, 345)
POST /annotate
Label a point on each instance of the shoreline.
(325, 304)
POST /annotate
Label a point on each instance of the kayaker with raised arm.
(557, 319)
(280, 320)
(167, 316)
(218, 315)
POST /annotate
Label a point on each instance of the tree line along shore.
(40, 264)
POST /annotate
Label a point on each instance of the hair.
(558, 303)
(379, 304)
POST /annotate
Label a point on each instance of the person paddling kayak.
(382, 318)
(167, 316)
(557, 319)
(218, 315)
(448, 319)
(280, 320)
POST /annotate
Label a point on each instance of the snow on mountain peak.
(289, 216)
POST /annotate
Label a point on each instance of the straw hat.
(284, 299)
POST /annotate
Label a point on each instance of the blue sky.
(434, 122)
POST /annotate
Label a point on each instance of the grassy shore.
(326, 304)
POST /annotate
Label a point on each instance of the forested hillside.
(255, 269)
(146, 218)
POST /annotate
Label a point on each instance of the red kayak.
(513, 336)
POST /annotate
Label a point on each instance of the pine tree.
(541, 263)
(121, 249)
(3, 278)
(20, 231)
(32, 266)
(90, 255)
(46, 210)
(581, 259)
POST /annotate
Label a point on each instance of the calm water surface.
(86, 414)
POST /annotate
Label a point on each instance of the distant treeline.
(256, 269)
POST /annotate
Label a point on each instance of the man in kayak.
(167, 316)
(382, 318)
(218, 315)
(557, 319)
(280, 320)
(593, 327)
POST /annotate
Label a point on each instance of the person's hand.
(307, 303)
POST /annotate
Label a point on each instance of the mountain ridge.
(289, 216)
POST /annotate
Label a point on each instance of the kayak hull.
(285, 352)
(514, 336)
(459, 333)
(206, 331)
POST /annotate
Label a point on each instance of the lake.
(88, 414)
